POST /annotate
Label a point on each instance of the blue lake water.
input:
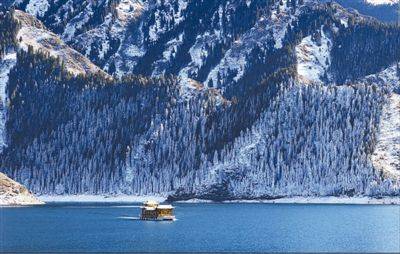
(202, 227)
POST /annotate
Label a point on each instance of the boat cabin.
(152, 210)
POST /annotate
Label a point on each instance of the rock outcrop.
(13, 193)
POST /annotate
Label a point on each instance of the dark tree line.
(8, 30)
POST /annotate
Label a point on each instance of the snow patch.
(168, 13)
(281, 17)
(387, 152)
(381, 2)
(105, 46)
(313, 58)
(128, 10)
(325, 200)
(235, 59)
(387, 78)
(6, 64)
(197, 53)
(195, 201)
(77, 23)
(169, 54)
(344, 22)
(178, 16)
(37, 7)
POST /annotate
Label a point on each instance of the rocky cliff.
(13, 193)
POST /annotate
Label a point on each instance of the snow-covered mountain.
(32, 33)
(383, 10)
(209, 99)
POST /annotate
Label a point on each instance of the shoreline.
(291, 200)
(99, 198)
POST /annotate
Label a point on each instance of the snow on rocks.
(169, 13)
(325, 200)
(34, 34)
(13, 193)
(381, 2)
(313, 58)
(197, 54)
(37, 7)
(236, 58)
(76, 23)
(169, 53)
(386, 157)
(130, 46)
(6, 64)
(387, 78)
(128, 10)
(342, 14)
(280, 16)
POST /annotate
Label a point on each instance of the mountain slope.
(241, 100)
(32, 33)
(386, 156)
(223, 44)
(6, 64)
(383, 10)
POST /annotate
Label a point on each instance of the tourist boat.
(152, 210)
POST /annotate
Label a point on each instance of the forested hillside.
(383, 10)
(199, 99)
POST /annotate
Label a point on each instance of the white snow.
(387, 78)
(343, 15)
(37, 7)
(101, 198)
(197, 54)
(281, 19)
(326, 200)
(235, 59)
(313, 60)
(387, 153)
(169, 53)
(160, 199)
(248, 2)
(77, 22)
(309, 200)
(104, 48)
(195, 201)
(134, 51)
(132, 43)
(128, 10)
(6, 64)
(156, 29)
(178, 16)
(381, 2)
(170, 14)
(344, 21)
